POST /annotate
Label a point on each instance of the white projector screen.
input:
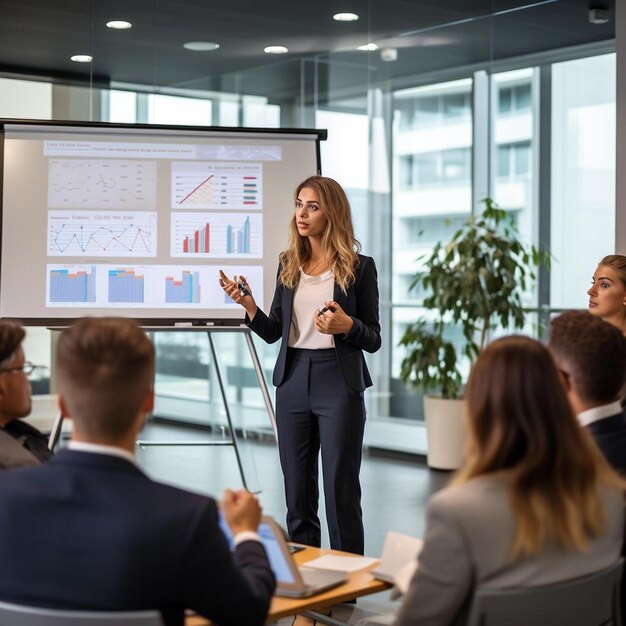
(135, 221)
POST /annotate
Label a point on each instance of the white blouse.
(310, 295)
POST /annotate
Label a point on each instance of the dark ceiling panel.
(38, 37)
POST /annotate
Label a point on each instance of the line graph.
(102, 233)
(101, 183)
(213, 185)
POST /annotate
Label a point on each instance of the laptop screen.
(278, 560)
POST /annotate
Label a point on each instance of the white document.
(341, 563)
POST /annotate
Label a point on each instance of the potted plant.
(474, 281)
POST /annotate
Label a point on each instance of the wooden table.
(360, 583)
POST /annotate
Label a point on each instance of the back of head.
(105, 369)
(11, 336)
(592, 353)
(520, 422)
(618, 263)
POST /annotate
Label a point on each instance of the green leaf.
(475, 280)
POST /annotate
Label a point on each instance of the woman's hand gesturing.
(239, 291)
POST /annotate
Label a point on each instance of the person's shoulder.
(365, 260)
(476, 495)
(365, 264)
(181, 497)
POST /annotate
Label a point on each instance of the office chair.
(592, 600)
(19, 615)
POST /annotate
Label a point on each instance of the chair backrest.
(592, 600)
(19, 615)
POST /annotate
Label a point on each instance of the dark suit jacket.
(360, 303)
(92, 532)
(610, 435)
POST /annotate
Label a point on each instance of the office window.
(583, 174)
(176, 110)
(122, 106)
(419, 108)
(514, 160)
(434, 168)
(514, 99)
(432, 172)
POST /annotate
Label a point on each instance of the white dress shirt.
(598, 413)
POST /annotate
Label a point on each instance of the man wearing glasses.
(20, 443)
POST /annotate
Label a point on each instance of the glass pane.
(583, 174)
(504, 158)
(176, 110)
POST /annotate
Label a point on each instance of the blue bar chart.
(125, 286)
(187, 290)
(216, 235)
(238, 240)
(75, 286)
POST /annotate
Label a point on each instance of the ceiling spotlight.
(119, 24)
(598, 16)
(346, 17)
(275, 50)
(369, 47)
(201, 46)
(82, 58)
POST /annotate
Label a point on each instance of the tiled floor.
(395, 491)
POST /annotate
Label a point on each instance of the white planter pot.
(445, 432)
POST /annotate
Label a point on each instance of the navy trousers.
(315, 409)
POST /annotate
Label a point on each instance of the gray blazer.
(470, 530)
(13, 452)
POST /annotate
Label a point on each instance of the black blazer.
(610, 435)
(360, 303)
(92, 532)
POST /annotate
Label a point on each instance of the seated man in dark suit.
(90, 531)
(591, 355)
(20, 443)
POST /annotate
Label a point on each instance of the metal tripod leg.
(233, 435)
(264, 390)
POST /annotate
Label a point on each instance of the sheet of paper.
(341, 563)
(404, 576)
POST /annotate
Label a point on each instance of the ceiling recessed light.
(275, 50)
(119, 24)
(82, 58)
(201, 46)
(368, 47)
(346, 17)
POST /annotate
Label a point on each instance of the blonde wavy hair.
(618, 263)
(339, 245)
(521, 426)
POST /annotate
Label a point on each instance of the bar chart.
(187, 290)
(71, 285)
(216, 235)
(125, 286)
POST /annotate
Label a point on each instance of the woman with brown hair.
(607, 294)
(325, 311)
(534, 503)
